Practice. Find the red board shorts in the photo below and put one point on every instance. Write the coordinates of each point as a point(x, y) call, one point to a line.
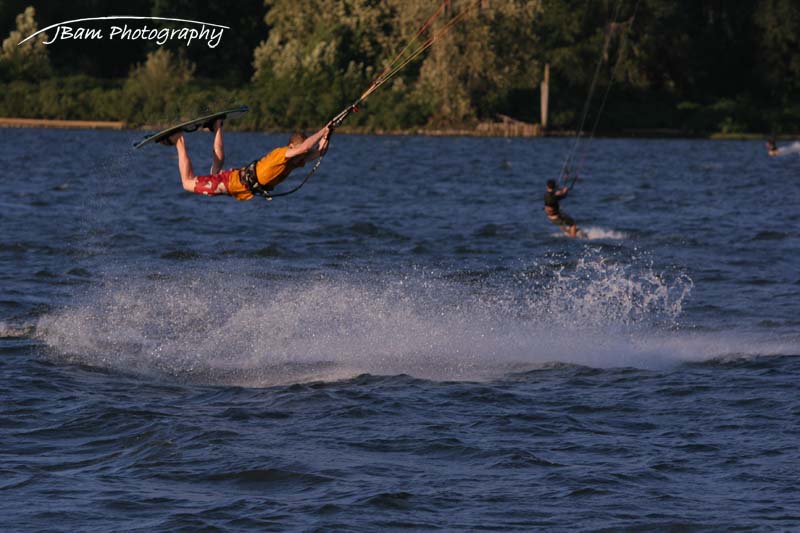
point(213, 183)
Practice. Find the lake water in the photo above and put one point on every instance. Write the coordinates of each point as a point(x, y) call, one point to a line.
point(406, 342)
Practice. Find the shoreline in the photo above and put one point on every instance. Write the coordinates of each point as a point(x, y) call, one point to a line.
point(481, 130)
point(12, 122)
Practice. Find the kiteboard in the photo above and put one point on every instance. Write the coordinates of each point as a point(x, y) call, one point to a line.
point(191, 125)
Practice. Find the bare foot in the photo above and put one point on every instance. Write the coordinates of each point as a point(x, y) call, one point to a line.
point(214, 126)
point(172, 140)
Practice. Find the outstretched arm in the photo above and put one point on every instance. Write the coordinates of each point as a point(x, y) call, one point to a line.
point(309, 145)
point(319, 151)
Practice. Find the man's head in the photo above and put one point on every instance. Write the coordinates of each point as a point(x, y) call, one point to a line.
point(551, 184)
point(296, 140)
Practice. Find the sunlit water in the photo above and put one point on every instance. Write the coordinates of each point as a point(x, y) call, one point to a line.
point(407, 342)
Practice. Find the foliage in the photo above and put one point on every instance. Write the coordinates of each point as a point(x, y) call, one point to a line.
point(153, 88)
point(777, 22)
point(231, 61)
point(29, 60)
point(73, 97)
point(692, 66)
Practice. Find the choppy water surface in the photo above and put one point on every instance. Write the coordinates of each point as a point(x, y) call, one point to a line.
point(405, 343)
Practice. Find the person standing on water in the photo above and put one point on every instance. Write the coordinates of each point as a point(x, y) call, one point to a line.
point(772, 147)
point(552, 197)
point(259, 177)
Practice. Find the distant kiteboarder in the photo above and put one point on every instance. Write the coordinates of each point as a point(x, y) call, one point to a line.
point(552, 197)
point(772, 147)
point(773, 150)
point(257, 178)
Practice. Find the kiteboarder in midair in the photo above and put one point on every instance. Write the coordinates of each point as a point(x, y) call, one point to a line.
point(259, 177)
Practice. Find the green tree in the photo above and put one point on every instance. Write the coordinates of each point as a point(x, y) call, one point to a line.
point(778, 22)
point(471, 71)
point(231, 60)
point(317, 56)
point(28, 60)
point(153, 88)
point(333, 48)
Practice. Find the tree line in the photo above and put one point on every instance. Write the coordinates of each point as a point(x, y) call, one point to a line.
point(691, 66)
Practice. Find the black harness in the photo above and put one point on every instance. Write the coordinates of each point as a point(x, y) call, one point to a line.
point(249, 178)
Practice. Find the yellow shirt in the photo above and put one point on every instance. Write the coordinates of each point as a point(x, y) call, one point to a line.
point(271, 169)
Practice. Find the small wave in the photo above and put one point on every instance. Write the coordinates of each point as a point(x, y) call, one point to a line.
point(749, 353)
point(594, 233)
point(793, 148)
point(390, 500)
point(488, 230)
point(11, 331)
point(197, 327)
point(359, 229)
point(271, 250)
point(521, 458)
point(769, 235)
point(268, 477)
point(181, 255)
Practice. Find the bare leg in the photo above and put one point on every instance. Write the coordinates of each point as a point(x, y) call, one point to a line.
point(573, 231)
point(218, 157)
point(188, 179)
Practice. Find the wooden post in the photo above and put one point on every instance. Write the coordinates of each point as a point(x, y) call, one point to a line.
point(545, 90)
